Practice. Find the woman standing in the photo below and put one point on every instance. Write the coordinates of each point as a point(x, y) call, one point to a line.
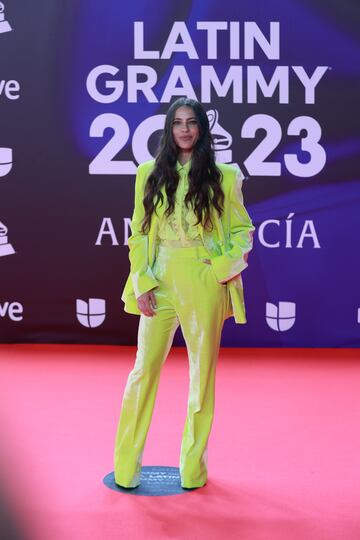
point(190, 239)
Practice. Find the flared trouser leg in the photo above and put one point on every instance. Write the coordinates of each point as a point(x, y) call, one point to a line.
point(188, 294)
point(155, 336)
point(202, 334)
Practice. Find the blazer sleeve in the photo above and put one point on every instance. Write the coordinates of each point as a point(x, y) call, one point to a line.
point(142, 277)
point(240, 242)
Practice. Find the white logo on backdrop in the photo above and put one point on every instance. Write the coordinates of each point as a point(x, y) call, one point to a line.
point(5, 247)
point(11, 89)
point(107, 230)
point(105, 163)
point(6, 161)
point(91, 313)
point(134, 83)
point(4, 25)
point(222, 139)
point(282, 317)
point(14, 310)
point(358, 315)
point(285, 237)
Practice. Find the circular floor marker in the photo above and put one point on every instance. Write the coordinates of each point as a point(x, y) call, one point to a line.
point(154, 481)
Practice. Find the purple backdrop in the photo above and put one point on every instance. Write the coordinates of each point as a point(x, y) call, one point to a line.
point(83, 93)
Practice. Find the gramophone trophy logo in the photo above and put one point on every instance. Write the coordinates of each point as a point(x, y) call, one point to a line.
point(222, 141)
point(222, 138)
point(4, 25)
point(5, 247)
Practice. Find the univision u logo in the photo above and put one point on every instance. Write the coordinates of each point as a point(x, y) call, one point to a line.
point(282, 317)
point(91, 313)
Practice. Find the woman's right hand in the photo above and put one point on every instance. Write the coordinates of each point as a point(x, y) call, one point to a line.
point(146, 303)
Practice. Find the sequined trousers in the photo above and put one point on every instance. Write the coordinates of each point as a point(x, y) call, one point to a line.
point(190, 295)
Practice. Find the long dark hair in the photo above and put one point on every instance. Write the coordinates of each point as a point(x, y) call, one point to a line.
point(204, 176)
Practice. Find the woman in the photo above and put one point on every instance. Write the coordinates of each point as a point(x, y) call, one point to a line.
point(190, 239)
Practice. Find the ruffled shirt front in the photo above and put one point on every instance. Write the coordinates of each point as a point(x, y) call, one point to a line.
point(179, 229)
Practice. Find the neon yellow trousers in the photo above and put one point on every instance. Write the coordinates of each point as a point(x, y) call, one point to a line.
point(190, 295)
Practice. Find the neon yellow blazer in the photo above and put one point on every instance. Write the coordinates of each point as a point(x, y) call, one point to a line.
point(228, 244)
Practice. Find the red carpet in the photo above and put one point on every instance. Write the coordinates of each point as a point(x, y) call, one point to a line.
point(283, 452)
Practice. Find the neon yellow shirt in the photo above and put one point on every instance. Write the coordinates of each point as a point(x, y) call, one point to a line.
point(179, 229)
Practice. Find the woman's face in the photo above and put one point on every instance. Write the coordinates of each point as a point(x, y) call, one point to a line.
point(185, 128)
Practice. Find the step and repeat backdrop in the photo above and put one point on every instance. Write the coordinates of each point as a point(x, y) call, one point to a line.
point(84, 88)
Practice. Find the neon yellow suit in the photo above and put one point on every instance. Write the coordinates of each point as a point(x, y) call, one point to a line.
point(189, 292)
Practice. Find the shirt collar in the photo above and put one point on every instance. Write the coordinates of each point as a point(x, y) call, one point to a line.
point(185, 167)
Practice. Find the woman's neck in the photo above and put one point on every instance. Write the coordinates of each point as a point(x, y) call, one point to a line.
point(184, 157)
